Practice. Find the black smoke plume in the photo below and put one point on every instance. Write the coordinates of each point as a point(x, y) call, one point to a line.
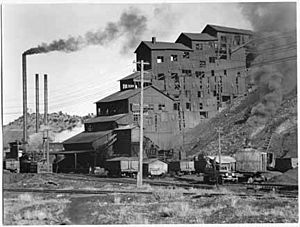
point(274, 68)
point(130, 25)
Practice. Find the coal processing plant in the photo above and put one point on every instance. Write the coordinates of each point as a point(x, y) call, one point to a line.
point(180, 85)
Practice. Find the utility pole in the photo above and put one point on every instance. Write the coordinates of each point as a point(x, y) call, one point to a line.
point(140, 172)
point(219, 130)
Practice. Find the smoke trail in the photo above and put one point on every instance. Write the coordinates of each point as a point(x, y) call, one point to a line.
point(130, 25)
point(272, 16)
point(276, 74)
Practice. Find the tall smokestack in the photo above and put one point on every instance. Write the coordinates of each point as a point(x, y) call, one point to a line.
point(45, 100)
point(46, 120)
point(24, 101)
point(37, 118)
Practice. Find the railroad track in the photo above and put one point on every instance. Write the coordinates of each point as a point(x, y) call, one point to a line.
point(102, 191)
point(133, 181)
point(239, 187)
point(281, 188)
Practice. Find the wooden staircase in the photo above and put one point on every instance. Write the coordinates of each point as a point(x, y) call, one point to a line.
point(266, 147)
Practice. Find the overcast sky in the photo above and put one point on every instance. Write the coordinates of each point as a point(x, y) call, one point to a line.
point(78, 79)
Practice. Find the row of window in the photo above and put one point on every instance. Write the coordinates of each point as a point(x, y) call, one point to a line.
point(186, 72)
point(199, 46)
point(173, 57)
point(147, 108)
point(187, 106)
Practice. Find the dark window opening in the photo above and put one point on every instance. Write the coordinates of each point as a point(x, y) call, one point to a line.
point(186, 55)
point(161, 76)
point(187, 72)
point(199, 46)
point(188, 106)
point(204, 114)
point(225, 72)
point(215, 93)
point(174, 76)
point(225, 98)
point(200, 105)
point(237, 40)
point(202, 64)
point(151, 107)
point(176, 106)
point(174, 57)
point(161, 106)
point(200, 94)
point(135, 117)
point(160, 59)
point(200, 74)
point(212, 60)
point(223, 39)
point(212, 72)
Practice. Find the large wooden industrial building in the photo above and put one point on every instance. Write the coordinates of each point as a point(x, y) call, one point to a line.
point(186, 82)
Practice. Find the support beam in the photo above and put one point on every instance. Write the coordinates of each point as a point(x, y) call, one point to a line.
point(75, 161)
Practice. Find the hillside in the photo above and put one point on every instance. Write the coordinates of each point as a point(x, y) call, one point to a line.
point(236, 130)
point(58, 123)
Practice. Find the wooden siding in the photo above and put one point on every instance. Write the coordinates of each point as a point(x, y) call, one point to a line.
point(123, 144)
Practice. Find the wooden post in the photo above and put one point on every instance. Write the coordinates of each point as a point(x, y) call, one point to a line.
point(140, 173)
point(75, 161)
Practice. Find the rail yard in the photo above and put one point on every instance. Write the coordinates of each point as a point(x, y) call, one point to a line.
point(202, 131)
point(114, 200)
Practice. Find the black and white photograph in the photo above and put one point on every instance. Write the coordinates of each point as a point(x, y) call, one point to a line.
point(152, 113)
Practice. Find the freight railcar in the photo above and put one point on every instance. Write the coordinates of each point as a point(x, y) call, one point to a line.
point(122, 166)
point(250, 162)
point(182, 167)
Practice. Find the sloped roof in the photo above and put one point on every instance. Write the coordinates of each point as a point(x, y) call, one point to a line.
point(164, 46)
point(199, 36)
point(150, 160)
point(105, 118)
point(224, 159)
point(123, 159)
point(86, 137)
point(229, 29)
point(121, 95)
point(137, 75)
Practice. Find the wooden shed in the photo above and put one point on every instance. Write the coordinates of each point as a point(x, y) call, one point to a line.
point(154, 167)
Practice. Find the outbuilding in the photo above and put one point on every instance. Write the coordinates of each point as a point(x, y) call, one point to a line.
point(154, 167)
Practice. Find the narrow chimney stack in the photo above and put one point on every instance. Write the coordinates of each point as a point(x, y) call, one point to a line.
point(45, 100)
point(153, 40)
point(24, 78)
point(37, 117)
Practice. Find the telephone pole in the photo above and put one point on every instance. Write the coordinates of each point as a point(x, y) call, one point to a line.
point(219, 130)
point(140, 172)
